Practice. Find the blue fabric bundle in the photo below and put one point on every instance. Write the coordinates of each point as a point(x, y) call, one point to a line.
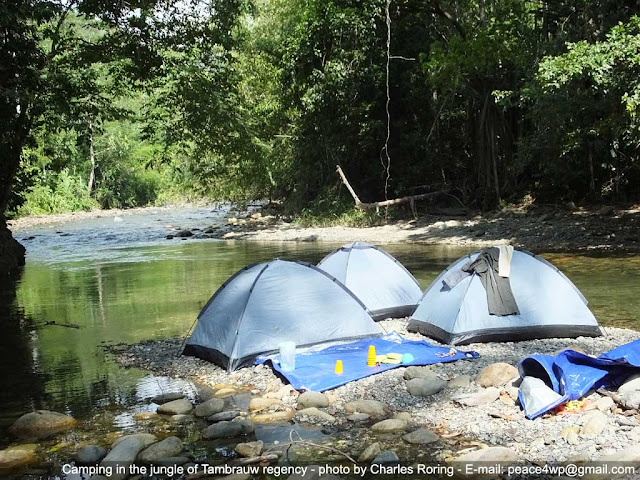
point(550, 381)
point(315, 368)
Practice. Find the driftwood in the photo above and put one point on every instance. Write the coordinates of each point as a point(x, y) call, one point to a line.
point(386, 203)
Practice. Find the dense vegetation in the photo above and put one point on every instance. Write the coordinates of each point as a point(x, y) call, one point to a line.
point(120, 104)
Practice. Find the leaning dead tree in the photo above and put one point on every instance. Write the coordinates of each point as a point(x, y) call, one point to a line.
point(411, 199)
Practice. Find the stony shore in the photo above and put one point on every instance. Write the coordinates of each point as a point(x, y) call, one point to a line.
point(547, 229)
point(463, 405)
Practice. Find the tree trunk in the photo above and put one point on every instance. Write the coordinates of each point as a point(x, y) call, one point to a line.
point(92, 157)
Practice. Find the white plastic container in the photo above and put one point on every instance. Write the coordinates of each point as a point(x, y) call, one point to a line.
point(287, 356)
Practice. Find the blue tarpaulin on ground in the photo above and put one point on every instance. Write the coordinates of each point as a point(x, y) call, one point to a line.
point(315, 367)
point(572, 374)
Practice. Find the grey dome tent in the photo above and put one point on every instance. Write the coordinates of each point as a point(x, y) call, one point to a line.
point(380, 281)
point(549, 306)
point(266, 304)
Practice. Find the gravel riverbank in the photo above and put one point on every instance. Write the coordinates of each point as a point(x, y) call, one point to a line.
point(471, 409)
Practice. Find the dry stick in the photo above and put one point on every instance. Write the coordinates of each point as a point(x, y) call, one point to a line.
point(311, 444)
point(387, 203)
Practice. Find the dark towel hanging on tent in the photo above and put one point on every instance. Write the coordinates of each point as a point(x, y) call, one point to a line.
point(499, 295)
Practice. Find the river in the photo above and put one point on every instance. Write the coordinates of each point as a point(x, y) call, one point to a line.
point(105, 281)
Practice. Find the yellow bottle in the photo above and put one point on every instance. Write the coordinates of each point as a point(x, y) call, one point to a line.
point(371, 357)
point(338, 370)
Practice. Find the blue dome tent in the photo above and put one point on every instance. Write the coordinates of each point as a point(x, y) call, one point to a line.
point(266, 304)
point(549, 306)
point(380, 281)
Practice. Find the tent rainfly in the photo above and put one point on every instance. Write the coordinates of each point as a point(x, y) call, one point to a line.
point(380, 281)
point(266, 304)
point(549, 305)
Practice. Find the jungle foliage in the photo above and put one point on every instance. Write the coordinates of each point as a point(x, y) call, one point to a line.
point(132, 103)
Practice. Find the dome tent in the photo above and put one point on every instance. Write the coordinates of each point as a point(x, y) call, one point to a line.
point(380, 281)
point(549, 304)
point(266, 304)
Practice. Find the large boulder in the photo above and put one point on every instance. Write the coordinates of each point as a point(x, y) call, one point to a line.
point(169, 447)
point(41, 424)
point(496, 375)
point(372, 408)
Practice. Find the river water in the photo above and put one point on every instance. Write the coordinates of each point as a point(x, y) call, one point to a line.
point(106, 281)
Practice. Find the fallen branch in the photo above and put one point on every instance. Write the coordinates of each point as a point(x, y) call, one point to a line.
point(387, 203)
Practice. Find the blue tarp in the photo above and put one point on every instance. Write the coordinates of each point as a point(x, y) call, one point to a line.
point(315, 368)
point(572, 374)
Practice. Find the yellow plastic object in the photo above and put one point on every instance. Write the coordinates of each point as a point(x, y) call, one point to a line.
point(338, 370)
point(371, 357)
point(394, 358)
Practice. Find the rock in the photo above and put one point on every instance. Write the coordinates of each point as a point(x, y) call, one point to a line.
point(604, 404)
point(386, 457)
point(247, 426)
point(260, 403)
point(606, 210)
point(41, 424)
point(184, 233)
point(176, 407)
point(630, 385)
point(631, 399)
point(210, 407)
point(483, 397)
point(250, 449)
point(146, 439)
point(490, 454)
point(142, 416)
point(418, 372)
point(225, 392)
point(223, 429)
point(167, 397)
point(169, 447)
point(90, 454)
point(406, 416)
point(626, 421)
point(389, 425)
point(425, 387)
point(316, 413)
point(123, 455)
point(15, 458)
point(369, 453)
point(461, 381)
point(181, 419)
point(422, 436)
point(312, 399)
point(274, 417)
point(358, 417)
point(372, 408)
point(496, 375)
point(224, 416)
point(168, 461)
point(595, 423)
point(569, 431)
